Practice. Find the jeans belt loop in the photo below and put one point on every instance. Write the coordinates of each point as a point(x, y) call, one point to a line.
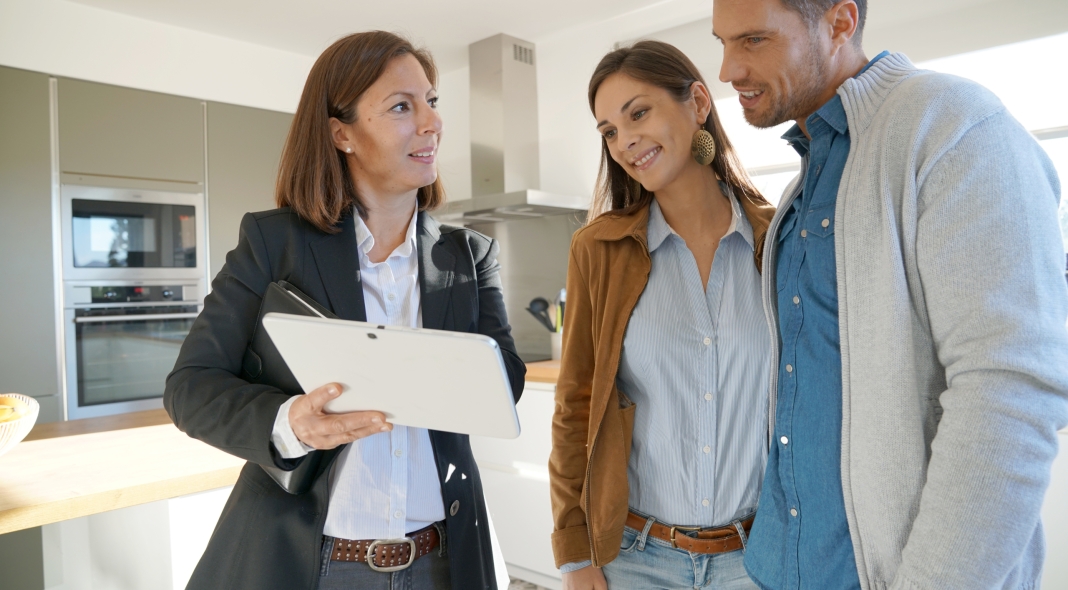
point(440, 526)
point(645, 533)
point(741, 533)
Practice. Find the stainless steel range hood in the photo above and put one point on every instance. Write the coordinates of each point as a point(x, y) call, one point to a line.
point(504, 139)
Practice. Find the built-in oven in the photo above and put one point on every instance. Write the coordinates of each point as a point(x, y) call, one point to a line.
point(122, 340)
point(121, 234)
point(133, 282)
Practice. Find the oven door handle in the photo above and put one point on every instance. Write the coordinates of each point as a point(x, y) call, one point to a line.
point(97, 319)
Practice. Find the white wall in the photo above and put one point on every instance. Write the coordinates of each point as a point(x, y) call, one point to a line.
point(67, 39)
point(454, 154)
point(570, 145)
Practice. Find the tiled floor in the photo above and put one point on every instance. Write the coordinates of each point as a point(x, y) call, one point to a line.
point(521, 585)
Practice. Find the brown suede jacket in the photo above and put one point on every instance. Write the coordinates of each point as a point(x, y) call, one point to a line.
point(607, 272)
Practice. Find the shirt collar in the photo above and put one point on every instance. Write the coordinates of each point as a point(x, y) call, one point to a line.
point(832, 113)
point(365, 240)
point(659, 230)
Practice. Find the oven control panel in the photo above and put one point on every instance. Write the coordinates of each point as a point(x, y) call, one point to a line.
point(80, 295)
point(135, 294)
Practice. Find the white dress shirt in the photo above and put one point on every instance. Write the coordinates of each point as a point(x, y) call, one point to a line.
point(385, 485)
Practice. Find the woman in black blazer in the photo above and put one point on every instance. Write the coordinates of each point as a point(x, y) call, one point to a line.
point(356, 179)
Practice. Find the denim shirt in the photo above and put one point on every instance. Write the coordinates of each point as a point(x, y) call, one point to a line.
point(801, 535)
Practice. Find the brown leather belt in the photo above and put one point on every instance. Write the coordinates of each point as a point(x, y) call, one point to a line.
point(388, 555)
point(719, 540)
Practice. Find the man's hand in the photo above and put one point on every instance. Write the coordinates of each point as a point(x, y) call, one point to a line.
point(587, 578)
point(325, 431)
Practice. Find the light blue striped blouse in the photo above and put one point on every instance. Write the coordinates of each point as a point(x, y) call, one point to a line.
point(695, 362)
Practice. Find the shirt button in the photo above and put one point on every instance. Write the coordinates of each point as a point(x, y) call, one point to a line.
point(398, 453)
point(704, 502)
point(825, 222)
point(784, 440)
point(708, 341)
point(708, 397)
point(398, 514)
point(804, 233)
point(793, 512)
point(789, 368)
point(707, 449)
point(390, 296)
point(797, 300)
point(454, 508)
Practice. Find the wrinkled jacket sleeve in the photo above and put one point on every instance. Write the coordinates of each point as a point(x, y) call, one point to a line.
point(493, 317)
point(205, 396)
point(571, 419)
point(992, 268)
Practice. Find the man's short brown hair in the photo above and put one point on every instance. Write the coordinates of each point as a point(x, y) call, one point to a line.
point(813, 10)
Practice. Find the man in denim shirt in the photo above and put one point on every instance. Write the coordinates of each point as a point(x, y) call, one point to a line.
point(911, 282)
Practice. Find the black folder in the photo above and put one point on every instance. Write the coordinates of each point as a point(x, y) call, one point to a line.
point(263, 364)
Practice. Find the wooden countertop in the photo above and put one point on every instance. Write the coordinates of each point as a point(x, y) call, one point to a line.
point(65, 470)
point(52, 479)
point(543, 371)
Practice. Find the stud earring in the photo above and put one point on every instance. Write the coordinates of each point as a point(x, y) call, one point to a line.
point(703, 147)
point(348, 150)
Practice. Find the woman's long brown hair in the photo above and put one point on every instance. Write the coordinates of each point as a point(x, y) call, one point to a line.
point(664, 66)
point(313, 175)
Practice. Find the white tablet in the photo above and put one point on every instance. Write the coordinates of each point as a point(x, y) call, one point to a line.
point(434, 379)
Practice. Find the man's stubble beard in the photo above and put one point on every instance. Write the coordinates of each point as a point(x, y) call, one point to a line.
point(803, 100)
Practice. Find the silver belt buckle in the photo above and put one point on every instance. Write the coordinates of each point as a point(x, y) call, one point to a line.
point(390, 568)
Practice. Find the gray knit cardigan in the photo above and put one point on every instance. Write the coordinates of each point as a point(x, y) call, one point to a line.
point(952, 310)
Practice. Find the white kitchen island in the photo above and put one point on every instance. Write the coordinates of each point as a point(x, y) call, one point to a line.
point(133, 508)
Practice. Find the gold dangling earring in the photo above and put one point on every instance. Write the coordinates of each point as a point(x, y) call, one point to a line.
point(703, 147)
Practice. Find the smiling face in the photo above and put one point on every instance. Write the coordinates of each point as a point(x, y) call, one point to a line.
point(772, 58)
point(395, 135)
point(647, 131)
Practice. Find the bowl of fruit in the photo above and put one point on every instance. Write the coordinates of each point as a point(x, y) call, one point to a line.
point(18, 413)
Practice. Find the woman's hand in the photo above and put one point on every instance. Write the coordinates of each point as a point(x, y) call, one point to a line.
point(587, 578)
point(323, 431)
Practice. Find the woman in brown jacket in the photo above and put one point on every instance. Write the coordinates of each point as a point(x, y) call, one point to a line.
point(660, 429)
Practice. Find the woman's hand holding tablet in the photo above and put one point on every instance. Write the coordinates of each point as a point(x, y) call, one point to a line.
point(323, 431)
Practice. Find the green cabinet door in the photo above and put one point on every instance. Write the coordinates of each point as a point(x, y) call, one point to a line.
point(132, 134)
point(244, 146)
point(29, 362)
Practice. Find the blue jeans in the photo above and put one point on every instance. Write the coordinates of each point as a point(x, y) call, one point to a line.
point(646, 562)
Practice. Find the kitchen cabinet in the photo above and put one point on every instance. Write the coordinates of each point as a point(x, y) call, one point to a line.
point(1055, 520)
point(515, 481)
point(27, 313)
point(244, 147)
point(110, 131)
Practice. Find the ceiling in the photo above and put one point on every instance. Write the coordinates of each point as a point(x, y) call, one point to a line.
point(924, 29)
point(446, 27)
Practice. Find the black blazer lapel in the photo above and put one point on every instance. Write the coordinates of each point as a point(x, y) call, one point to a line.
point(339, 270)
point(436, 265)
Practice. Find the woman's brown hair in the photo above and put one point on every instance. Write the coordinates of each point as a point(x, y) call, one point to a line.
point(664, 66)
point(313, 175)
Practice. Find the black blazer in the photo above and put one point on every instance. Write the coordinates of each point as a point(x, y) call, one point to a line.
point(267, 538)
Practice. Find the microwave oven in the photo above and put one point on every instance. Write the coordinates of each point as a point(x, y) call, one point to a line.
point(118, 234)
